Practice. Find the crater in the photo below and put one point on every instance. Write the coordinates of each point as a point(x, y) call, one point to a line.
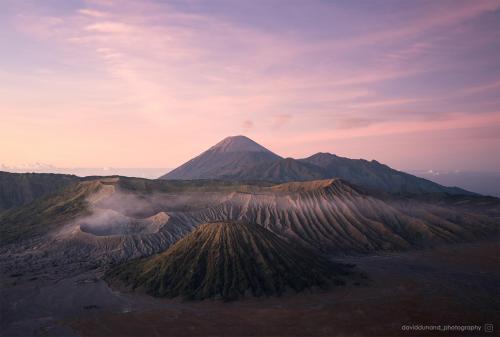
point(106, 222)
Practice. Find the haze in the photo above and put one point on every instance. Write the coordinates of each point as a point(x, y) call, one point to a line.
point(152, 83)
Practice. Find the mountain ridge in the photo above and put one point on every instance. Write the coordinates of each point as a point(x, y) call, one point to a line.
point(374, 175)
point(18, 189)
point(116, 219)
point(241, 159)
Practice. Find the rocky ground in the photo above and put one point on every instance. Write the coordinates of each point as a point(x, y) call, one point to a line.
point(451, 285)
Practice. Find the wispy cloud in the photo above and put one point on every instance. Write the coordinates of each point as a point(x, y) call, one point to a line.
point(176, 67)
point(109, 27)
point(92, 13)
point(452, 121)
point(247, 125)
point(280, 120)
point(479, 88)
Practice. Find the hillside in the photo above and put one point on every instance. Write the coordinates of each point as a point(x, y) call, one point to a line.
point(229, 260)
point(17, 189)
point(282, 170)
point(334, 216)
point(47, 213)
point(376, 176)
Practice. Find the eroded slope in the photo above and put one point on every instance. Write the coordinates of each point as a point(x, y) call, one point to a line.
point(108, 221)
point(229, 260)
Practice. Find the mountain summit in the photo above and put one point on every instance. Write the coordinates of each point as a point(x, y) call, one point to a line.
point(238, 144)
point(224, 159)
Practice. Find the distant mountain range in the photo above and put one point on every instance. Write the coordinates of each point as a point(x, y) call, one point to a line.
point(485, 183)
point(140, 172)
point(240, 158)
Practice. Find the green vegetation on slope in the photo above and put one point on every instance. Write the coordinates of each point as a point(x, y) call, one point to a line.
point(45, 214)
point(228, 260)
point(199, 185)
point(17, 189)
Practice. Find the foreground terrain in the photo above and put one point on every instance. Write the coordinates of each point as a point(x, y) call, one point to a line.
point(322, 257)
point(456, 284)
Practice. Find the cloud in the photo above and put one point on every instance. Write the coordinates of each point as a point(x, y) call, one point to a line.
point(92, 12)
point(354, 122)
point(247, 125)
point(387, 127)
point(429, 16)
point(385, 103)
point(109, 27)
point(479, 88)
point(280, 120)
point(172, 68)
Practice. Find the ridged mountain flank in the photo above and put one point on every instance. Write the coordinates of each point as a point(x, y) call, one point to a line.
point(229, 260)
point(376, 176)
point(224, 159)
point(282, 170)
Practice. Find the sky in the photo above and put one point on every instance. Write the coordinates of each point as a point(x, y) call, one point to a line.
point(105, 83)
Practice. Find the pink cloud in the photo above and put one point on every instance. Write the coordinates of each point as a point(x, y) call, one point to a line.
point(281, 119)
point(109, 27)
point(92, 12)
point(437, 15)
point(454, 121)
point(479, 88)
point(147, 63)
point(247, 125)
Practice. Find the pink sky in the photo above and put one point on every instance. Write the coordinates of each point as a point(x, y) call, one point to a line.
point(151, 83)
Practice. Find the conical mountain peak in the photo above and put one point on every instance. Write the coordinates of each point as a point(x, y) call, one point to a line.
point(225, 158)
point(228, 260)
point(238, 144)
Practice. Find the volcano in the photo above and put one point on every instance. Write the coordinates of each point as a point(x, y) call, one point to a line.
point(241, 159)
point(229, 260)
point(225, 158)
